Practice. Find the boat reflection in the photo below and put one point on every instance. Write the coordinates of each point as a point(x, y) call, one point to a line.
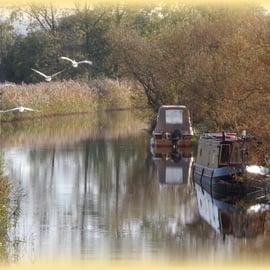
point(173, 165)
point(243, 216)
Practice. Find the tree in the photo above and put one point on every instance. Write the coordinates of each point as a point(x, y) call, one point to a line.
point(42, 17)
point(36, 50)
point(207, 56)
point(83, 35)
point(156, 59)
point(7, 37)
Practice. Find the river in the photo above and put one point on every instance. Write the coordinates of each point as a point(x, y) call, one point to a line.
point(90, 189)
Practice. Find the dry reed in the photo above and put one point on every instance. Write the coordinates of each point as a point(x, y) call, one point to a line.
point(65, 97)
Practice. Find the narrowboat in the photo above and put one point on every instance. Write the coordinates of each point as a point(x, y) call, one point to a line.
point(222, 161)
point(173, 127)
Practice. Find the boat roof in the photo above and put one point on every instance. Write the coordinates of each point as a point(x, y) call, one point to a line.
point(220, 136)
point(171, 117)
point(172, 107)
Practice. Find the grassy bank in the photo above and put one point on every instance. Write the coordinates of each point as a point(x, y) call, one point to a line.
point(4, 191)
point(5, 215)
point(67, 97)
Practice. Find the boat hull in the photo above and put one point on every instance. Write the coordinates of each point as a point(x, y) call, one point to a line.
point(160, 141)
point(218, 181)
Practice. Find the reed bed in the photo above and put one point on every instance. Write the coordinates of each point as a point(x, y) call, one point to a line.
point(67, 97)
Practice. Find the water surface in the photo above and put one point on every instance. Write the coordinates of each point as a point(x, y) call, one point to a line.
point(92, 190)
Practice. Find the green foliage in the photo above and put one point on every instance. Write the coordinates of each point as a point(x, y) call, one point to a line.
point(6, 37)
point(36, 50)
point(5, 220)
point(80, 33)
point(83, 36)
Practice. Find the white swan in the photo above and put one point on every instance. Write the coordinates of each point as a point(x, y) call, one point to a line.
point(75, 63)
point(47, 78)
point(20, 109)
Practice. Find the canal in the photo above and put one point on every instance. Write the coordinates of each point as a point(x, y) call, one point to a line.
point(90, 189)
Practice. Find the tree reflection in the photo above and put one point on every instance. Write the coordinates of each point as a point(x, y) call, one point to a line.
point(100, 198)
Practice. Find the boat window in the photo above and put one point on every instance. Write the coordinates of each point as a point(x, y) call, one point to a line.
point(174, 116)
point(224, 157)
point(213, 157)
point(236, 154)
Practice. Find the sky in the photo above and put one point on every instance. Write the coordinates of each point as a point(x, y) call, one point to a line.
point(71, 2)
point(22, 27)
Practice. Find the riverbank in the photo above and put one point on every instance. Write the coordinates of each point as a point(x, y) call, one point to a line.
point(69, 97)
point(6, 215)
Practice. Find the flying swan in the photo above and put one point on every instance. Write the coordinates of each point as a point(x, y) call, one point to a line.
point(46, 77)
point(75, 63)
point(20, 109)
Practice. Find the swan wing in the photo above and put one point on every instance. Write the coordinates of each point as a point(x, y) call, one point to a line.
point(66, 58)
point(85, 62)
point(55, 74)
point(10, 110)
point(28, 109)
point(40, 73)
point(5, 111)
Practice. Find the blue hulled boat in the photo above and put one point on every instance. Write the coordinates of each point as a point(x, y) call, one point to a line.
point(221, 161)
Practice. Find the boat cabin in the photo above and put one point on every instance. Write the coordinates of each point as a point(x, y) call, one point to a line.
point(222, 161)
point(173, 126)
point(220, 149)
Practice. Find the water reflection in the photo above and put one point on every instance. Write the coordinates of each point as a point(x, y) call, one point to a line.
point(244, 215)
point(95, 198)
point(99, 194)
point(173, 166)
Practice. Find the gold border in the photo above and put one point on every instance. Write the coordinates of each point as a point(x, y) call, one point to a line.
point(71, 3)
point(131, 265)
